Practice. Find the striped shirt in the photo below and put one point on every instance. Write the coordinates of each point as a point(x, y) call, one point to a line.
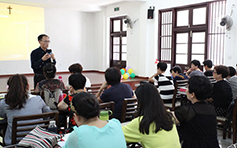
point(165, 86)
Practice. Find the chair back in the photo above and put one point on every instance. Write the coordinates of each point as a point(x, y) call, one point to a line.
point(230, 120)
point(51, 98)
point(129, 109)
point(178, 84)
point(93, 90)
point(22, 125)
point(107, 106)
point(234, 120)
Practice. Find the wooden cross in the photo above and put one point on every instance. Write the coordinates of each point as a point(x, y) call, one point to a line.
point(9, 9)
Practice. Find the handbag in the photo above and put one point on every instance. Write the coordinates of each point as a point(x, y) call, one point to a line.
point(40, 138)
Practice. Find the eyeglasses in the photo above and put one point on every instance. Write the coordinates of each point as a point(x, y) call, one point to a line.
point(46, 41)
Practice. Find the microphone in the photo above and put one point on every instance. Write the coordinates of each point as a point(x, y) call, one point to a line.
point(50, 52)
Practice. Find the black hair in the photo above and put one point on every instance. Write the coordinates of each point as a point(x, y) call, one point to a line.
point(86, 105)
point(176, 68)
point(207, 63)
point(151, 109)
point(200, 86)
point(77, 81)
point(112, 75)
point(162, 66)
point(223, 70)
point(75, 68)
point(196, 63)
point(17, 91)
point(232, 71)
point(49, 71)
point(41, 36)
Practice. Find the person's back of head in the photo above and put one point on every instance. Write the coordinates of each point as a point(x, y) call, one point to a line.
point(196, 63)
point(232, 71)
point(112, 75)
point(176, 68)
point(75, 68)
point(17, 91)
point(49, 71)
point(207, 63)
point(223, 70)
point(85, 105)
point(162, 66)
point(77, 81)
point(200, 86)
point(151, 107)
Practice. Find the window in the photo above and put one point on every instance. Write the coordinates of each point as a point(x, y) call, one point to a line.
point(191, 32)
point(118, 42)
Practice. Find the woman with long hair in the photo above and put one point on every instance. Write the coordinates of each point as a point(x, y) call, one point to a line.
point(154, 126)
point(18, 102)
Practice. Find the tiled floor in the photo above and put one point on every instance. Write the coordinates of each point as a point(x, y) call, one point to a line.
point(223, 143)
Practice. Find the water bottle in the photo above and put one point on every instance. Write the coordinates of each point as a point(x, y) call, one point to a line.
point(52, 127)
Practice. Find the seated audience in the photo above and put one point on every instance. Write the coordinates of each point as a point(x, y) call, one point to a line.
point(208, 68)
point(198, 119)
point(91, 132)
point(163, 83)
point(194, 70)
point(117, 92)
point(77, 68)
point(18, 102)
point(232, 79)
point(222, 93)
point(154, 127)
point(177, 73)
point(50, 83)
point(76, 86)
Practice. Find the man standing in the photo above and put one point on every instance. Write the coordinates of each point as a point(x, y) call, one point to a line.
point(40, 57)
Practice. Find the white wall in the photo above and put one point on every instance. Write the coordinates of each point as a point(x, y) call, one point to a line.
point(143, 38)
point(72, 37)
point(231, 36)
point(84, 37)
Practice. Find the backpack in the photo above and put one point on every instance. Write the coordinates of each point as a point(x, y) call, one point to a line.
point(52, 98)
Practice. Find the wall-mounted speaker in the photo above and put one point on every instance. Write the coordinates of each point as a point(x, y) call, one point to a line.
point(150, 12)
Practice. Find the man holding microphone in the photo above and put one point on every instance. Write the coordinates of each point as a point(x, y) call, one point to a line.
point(40, 57)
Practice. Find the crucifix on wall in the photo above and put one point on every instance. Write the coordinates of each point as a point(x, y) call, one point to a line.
point(9, 9)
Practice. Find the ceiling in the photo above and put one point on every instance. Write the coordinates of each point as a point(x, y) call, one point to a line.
point(79, 5)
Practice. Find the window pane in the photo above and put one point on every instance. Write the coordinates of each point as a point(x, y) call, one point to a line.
point(182, 48)
point(115, 56)
point(116, 40)
point(182, 38)
point(198, 37)
point(124, 40)
point(116, 25)
point(166, 30)
point(124, 48)
point(199, 16)
point(198, 48)
point(181, 59)
point(116, 48)
point(198, 57)
point(166, 42)
point(166, 54)
point(182, 18)
point(124, 56)
point(124, 26)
